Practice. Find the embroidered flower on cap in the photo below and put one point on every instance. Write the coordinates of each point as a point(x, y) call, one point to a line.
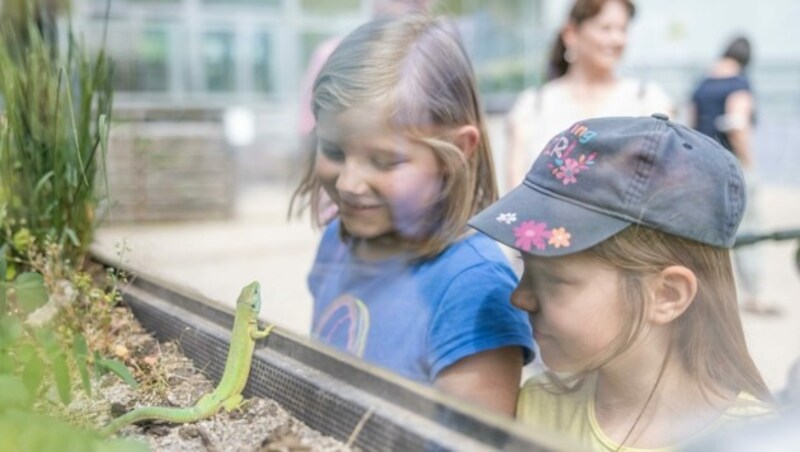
point(531, 233)
point(507, 218)
point(559, 237)
point(564, 167)
point(568, 168)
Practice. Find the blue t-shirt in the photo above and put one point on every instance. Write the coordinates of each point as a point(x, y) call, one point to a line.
point(709, 102)
point(416, 317)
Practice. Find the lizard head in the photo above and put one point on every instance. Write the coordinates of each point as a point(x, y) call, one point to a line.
point(251, 296)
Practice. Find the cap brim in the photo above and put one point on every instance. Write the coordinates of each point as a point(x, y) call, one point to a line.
point(544, 225)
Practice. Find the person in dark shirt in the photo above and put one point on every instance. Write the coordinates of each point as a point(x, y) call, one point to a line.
point(723, 101)
point(724, 109)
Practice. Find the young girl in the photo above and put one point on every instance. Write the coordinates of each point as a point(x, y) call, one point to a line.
point(624, 226)
point(402, 151)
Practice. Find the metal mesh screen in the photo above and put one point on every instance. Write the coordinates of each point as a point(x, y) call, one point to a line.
point(318, 407)
point(329, 392)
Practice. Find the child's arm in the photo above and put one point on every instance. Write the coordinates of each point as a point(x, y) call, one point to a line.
point(490, 378)
point(738, 114)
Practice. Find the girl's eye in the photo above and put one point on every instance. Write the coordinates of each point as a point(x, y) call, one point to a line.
point(550, 280)
point(553, 279)
point(387, 164)
point(333, 154)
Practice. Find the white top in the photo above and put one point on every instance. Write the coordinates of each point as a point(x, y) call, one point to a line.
point(540, 114)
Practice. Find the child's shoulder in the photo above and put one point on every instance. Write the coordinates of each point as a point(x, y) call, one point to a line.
point(746, 410)
point(748, 407)
point(475, 262)
point(544, 402)
point(476, 248)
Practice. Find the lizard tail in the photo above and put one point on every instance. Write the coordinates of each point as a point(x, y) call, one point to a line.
point(177, 415)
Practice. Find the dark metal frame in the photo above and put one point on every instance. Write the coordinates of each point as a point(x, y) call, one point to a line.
point(786, 234)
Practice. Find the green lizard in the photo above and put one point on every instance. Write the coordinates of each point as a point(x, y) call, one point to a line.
point(228, 393)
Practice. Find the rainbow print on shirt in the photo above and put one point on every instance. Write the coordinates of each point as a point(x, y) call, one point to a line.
point(345, 323)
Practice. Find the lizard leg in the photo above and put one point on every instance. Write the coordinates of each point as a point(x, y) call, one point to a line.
point(256, 334)
point(232, 402)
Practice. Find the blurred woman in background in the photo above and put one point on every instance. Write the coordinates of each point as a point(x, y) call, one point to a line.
point(581, 83)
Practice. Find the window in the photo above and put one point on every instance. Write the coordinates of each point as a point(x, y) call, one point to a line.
point(141, 58)
point(152, 65)
point(263, 80)
point(218, 61)
point(503, 39)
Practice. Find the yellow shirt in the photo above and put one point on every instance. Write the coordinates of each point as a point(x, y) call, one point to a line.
point(572, 414)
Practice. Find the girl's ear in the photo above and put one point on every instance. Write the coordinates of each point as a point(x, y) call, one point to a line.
point(467, 138)
point(674, 290)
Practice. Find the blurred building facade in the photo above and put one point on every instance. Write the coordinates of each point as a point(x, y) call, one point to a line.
point(218, 52)
point(210, 55)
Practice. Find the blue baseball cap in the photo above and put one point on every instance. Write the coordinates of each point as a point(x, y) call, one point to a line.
point(602, 175)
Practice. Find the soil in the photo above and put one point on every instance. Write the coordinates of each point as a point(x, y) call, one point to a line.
point(168, 378)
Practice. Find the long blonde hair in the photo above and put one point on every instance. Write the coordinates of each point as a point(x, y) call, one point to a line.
point(708, 337)
point(416, 65)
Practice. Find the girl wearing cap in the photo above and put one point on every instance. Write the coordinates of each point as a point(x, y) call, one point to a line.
point(398, 278)
point(581, 82)
point(624, 227)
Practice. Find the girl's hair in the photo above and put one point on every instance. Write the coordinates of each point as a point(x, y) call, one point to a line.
point(582, 10)
point(739, 51)
point(708, 337)
point(417, 67)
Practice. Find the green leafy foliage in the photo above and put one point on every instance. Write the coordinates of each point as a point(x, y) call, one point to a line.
point(33, 370)
point(13, 394)
point(31, 358)
point(36, 352)
point(55, 114)
point(52, 140)
point(30, 291)
point(31, 432)
point(81, 352)
point(112, 365)
point(3, 264)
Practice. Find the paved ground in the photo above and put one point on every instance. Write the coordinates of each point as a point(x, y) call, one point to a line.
point(216, 259)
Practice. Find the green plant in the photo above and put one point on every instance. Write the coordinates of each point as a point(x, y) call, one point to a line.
point(42, 319)
point(32, 432)
point(53, 135)
point(38, 353)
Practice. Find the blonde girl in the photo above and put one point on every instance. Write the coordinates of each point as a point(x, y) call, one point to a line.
point(402, 152)
point(624, 226)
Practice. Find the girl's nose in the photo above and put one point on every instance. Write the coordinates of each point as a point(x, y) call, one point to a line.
point(523, 298)
point(351, 179)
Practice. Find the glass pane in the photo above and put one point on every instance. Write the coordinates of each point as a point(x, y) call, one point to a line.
point(218, 61)
point(501, 40)
point(262, 64)
point(141, 59)
point(152, 65)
